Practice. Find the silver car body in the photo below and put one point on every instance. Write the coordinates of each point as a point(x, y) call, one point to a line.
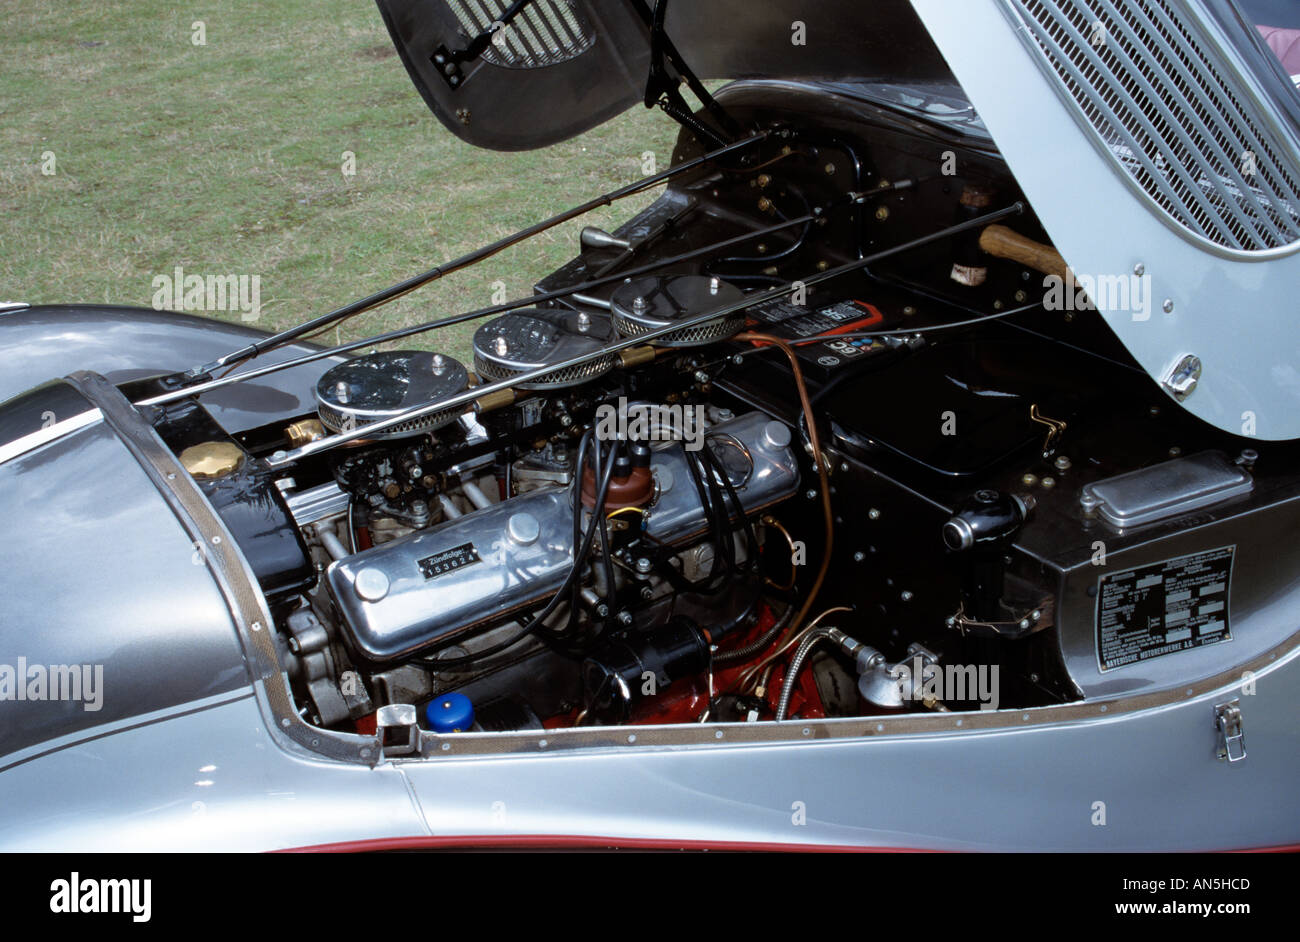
point(197, 746)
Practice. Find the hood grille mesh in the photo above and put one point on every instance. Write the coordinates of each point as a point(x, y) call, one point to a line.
point(1148, 81)
point(545, 33)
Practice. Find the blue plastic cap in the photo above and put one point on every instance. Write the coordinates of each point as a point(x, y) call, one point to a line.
point(450, 713)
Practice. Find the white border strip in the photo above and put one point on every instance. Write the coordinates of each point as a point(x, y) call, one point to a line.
point(34, 440)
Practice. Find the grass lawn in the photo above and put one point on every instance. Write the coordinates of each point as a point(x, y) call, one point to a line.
point(226, 159)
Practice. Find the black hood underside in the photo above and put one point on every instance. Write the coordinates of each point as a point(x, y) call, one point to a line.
point(558, 68)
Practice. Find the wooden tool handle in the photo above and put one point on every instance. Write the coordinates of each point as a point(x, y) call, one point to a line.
point(1001, 242)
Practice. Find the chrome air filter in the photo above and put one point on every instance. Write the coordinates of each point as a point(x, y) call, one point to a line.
point(521, 341)
point(646, 304)
point(379, 386)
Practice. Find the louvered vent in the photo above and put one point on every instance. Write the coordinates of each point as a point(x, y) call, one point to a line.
point(546, 32)
point(1148, 81)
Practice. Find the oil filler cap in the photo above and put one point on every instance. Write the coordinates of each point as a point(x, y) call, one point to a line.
point(523, 529)
point(371, 585)
point(210, 460)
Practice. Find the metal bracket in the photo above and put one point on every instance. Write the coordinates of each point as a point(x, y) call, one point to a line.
point(1055, 429)
point(449, 63)
point(397, 729)
point(1232, 735)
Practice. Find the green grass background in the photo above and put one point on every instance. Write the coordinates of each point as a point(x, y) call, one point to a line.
point(226, 159)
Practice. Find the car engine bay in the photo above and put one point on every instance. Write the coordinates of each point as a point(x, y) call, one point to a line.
point(809, 505)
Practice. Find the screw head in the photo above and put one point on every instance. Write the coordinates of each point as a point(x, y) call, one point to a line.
point(873, 514)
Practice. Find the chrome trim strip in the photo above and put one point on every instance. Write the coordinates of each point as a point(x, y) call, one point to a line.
point(126, 724)
point(33, 440)
point(232, 573)
point(452, 745)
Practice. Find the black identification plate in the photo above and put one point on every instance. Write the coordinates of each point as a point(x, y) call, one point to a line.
point(457, 557)
point(824, 358)
point(1163, 608)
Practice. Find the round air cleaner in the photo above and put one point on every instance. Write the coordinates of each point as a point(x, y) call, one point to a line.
point(521, 341)
point(379, 386)
point(645, 304)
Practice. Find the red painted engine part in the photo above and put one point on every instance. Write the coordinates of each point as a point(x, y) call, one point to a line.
point(685, 701)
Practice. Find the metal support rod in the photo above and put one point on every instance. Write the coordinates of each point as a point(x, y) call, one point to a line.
point(572, 291)
point(464, 261)
point(469, 396)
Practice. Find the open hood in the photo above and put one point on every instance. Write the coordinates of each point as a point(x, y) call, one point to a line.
point(561, 67)
point(1158, 142)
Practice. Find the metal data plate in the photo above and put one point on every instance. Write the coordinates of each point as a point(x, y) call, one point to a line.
point(1166, 490)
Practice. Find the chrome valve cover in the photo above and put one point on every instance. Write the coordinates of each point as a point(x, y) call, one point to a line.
point(440, 583)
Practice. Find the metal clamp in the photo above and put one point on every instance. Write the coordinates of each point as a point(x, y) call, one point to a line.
point(1232, 735)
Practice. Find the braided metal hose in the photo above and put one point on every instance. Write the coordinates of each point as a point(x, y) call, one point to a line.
point(810, 641)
